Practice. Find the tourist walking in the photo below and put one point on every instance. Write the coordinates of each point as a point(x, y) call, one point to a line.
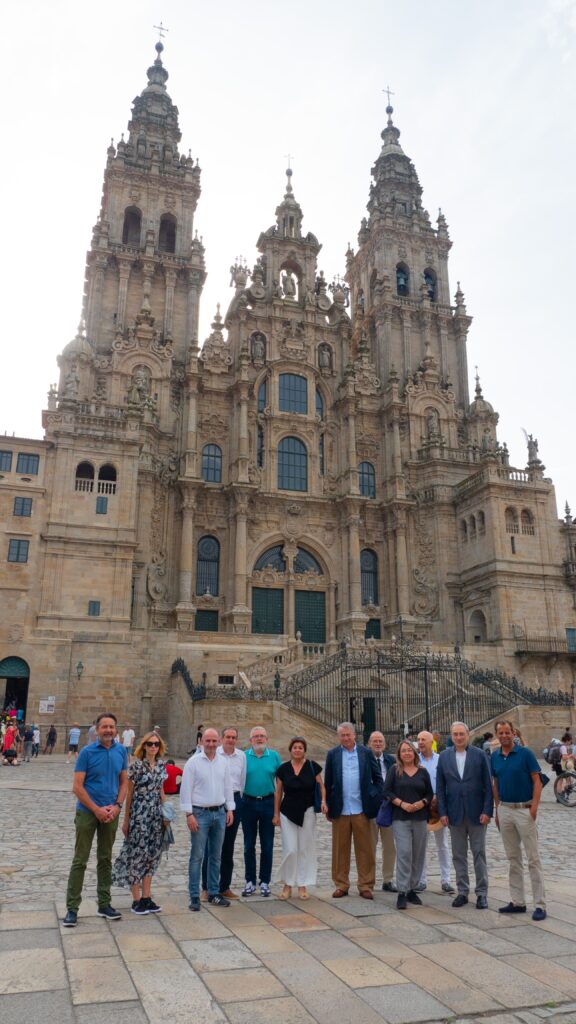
point(28, 742)
point(465, 803)
point(409, 789)
point(237, 765)
point(207, 799)
point(294, 811)
point(143, 824)
point(429, 761)
point(258, 810)
point(51, 737)
point(377, 744)
point(128, 737)
point(36, 741)
point(354, 789)
point(73, 742)
point(100, 783)
point(517, 792)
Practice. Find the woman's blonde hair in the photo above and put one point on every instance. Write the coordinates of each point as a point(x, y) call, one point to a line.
point(140, 749)
point(399, 765)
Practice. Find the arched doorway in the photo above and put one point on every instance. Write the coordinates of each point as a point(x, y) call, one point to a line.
point(14, 680)
point(289, 594)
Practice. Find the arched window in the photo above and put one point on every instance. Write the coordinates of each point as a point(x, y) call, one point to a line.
point(207, 566)
point(319, 404)
point(527, 521)
point(212, 464)
point(305, 562)
point(132, 230)
point(292, 465)
point(84, 477)
point(262, 396)
point(321, 454)
point(167, 233)
point(463, 530)
point(293, 393)
point(481, 523)
point(511, 518)
point(402, 279)
point(107, 479)
point(260, 448)
point(431, 283)
point(369, 576)
point(273, 558)
point(472, 528)
point(367, 480)
point(478, 627)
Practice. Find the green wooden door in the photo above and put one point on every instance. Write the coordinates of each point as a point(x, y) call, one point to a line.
point(310, 616)
point(267, 610)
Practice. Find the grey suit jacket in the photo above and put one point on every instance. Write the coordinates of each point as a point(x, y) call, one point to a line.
point(468, 797)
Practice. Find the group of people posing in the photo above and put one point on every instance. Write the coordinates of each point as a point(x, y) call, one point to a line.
point(367, 794)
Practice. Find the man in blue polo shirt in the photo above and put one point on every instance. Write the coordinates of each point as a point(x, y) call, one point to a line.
point(100, 783)
point(517, 790)
point(258, 810)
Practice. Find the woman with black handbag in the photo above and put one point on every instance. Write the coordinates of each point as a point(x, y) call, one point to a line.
point(294, 811)
point(409, 790)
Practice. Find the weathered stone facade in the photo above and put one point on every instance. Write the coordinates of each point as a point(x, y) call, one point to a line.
point(315, 468)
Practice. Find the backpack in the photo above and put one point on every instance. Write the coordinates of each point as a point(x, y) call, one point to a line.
point(555, 754)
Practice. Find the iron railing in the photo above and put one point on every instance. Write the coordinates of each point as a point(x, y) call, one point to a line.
point(197, 692)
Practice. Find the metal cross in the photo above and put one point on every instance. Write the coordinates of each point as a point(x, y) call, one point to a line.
point(161, 30)
point(389, 93)
point(288, 157)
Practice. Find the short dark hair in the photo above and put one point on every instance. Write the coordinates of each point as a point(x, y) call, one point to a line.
point(169, 760)
point(106, 714)
point(505, 721)
point(230, 728)
point(298, 739)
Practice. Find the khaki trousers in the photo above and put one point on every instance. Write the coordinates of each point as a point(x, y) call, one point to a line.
point(346, 828)
point(518, 829)
point(386, 836)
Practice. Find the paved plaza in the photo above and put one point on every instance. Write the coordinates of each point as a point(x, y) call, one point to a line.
point(262, 960)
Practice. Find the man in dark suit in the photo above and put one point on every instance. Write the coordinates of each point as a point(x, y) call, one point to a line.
point(354, 789)
point(377, 744)
point(466, 803)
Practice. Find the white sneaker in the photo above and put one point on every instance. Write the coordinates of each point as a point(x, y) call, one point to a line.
point(265, 889)
point(249, 889)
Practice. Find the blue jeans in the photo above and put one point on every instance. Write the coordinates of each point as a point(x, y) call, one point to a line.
point(257, 818)
point(208, 839)
point(227, 859)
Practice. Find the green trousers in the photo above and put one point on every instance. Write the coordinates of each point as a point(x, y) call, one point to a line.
point(86, 825)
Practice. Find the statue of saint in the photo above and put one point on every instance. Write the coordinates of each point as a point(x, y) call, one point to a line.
point(258, 346)
point(325, 357)
point(288, 286)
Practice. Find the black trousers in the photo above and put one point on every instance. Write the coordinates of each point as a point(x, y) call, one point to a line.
point(227, 859)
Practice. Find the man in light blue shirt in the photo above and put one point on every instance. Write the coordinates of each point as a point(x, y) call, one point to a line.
point(429, 761)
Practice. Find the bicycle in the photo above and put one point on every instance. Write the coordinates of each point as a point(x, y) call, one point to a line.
point(565, 789)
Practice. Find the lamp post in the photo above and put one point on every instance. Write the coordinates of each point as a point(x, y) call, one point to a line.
point(79, 670)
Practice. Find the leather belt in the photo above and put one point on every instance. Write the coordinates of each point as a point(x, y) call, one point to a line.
point(265, 797)
point(504, 803)
point(217, 807)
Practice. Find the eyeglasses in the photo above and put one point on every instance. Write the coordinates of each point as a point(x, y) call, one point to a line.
point(152, 743)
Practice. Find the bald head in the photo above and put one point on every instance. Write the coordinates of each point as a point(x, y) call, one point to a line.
point(210, 740)
point(425, 741)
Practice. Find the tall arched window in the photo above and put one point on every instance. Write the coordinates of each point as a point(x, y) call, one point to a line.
point(472, 527)
point(84, 477)
point(478, 626)
point(463, 530)
point(293, 393)
point(319, 404)
point(207, 566)
point(212, 464)
point(402, 279)
point(511, 518)
point(260, 448)
point(262, 395)
point(367, 480)
point(167, 233)
point(369, 576)
point(305, 562)
point(527, 521)
point(272, 558)
point(431, 283)
point(132, 230)
point(481, 523)
point(292, 465)
point(107, 479)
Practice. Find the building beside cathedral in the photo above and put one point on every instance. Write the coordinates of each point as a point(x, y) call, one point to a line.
point(313, 471)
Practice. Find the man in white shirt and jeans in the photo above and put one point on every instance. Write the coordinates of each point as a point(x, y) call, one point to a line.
point(237, 765)
point(207, 799)
point(429, 761)
point(128, 737)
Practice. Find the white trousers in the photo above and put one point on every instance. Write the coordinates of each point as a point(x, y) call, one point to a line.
point(299, 862)
point(518, 829)
point(444, 856)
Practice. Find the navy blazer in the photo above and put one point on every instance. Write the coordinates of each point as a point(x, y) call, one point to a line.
point(371, 781)
point(468, 797)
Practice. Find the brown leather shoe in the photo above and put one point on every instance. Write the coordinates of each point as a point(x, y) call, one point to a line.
point(204, 896)
point(367, 894)
point(229, 895)
point(339, 893)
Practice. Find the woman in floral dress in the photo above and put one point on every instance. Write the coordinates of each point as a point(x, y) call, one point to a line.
point(143, 824)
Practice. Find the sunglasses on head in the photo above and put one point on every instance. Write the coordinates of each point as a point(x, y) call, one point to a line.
point(152, 743)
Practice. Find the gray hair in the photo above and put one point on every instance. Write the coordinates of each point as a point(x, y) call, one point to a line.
point(258, 728)
point(463, 724)
point(346, 725)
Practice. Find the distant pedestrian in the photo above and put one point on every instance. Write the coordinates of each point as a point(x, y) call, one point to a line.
point(128, 737)
point(28, 742)
point(377, 744)
point(73, 742)
point(51, 737)
point(258, 810)
point(36, 742)
point(409, 789)
point(296, 782)
point(173, 778)
point(92, 735)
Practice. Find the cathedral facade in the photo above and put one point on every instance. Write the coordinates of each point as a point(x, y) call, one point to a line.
point(314, 472)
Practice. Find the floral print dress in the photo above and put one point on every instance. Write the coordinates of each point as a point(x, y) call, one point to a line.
point(141, 851)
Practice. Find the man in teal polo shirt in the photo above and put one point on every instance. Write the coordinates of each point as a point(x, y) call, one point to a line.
point(100, 784)
point(517, 790)
point(258, 810)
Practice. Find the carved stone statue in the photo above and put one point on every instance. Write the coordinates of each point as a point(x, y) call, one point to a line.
point(258, 346)
point(288, 286)
point(432, 422)
point(325, 357)
point(71, 383)
point(532, 449)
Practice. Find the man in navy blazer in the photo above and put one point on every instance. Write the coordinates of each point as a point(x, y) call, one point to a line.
point(466, 803)
point(354, 789)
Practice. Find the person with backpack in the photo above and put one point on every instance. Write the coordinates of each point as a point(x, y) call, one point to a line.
point(554, 756)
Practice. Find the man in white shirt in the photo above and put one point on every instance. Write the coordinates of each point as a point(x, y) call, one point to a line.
point(237, 765)
point(429, 761)
point(128, 737)
point(207, 799)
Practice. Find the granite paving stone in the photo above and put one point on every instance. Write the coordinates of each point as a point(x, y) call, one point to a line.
point(363, 972)
point(548, 971)
point(99, 980)
point(147, 947)
point(567, 961)
point(195, 926)
point(536, 940)
point(30, 938)
point(489, 942)
point(18, 920)
point(296, 922)
point(505, 984)
point(95, 942)
point(123, 1013)
point(286, 1009)
point(253, 983)
point(218, 954)
point(29, 1007)
point(328, 945)
point(266, 939)
point(31, 970)
point(461, 997)
point(383, 946)
point(169, 989)
point(404, 1004)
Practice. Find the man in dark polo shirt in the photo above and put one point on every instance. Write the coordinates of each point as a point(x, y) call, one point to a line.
point(517, 789)
point(100, 783)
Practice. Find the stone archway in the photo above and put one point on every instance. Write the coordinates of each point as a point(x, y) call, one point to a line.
point(289, 588)
point(14, 682)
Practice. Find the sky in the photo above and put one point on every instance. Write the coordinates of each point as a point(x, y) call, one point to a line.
point(483, 96)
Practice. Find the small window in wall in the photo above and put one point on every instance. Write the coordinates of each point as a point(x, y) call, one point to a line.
point(260, 448)
point(402, 279)
point(319, 404)
point(478, 627)
point(481, 518)
point(167, 234)
point(367, 480)
point(27, 464)
point(321, 454)
point(472, 528)
point(226, 680)
point(101, 506)
point(431, 284)
point(292, 465)
point(212, 464)
point(369, 576)
point(373, 629)
point(22, 506)
point(206, 621)
point(463, 531)
point(262, 390)
point(18, 550)
point(5, 462)
point(132, 226)
point(208, 566)
point(84, 477)
point(94, 608)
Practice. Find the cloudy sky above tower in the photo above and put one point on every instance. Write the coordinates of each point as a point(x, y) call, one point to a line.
point(483, 96)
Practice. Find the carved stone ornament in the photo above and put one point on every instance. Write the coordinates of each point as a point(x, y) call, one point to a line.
point(143, 336)
point(367, 446)
point(155, 582)
point(213, 426)
point(294, 509)
point(215, 354)
point(269, 577)
point(425, 601)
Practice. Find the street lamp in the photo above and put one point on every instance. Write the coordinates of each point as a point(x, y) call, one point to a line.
point(79, 670)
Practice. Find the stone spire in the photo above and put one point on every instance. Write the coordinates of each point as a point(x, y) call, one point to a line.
point(154, 126)
point(396, 189)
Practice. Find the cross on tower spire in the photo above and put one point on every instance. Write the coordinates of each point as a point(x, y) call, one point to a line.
point(161, 31)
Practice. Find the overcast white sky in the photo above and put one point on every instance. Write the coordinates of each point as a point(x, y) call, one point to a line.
point(484, 97)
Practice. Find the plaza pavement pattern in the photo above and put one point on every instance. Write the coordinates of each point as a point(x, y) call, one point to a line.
point(262, 960)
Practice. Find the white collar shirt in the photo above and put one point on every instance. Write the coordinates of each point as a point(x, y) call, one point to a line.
point(431, 766)
point(461, 762)
point(237, 765)
point(206, 783)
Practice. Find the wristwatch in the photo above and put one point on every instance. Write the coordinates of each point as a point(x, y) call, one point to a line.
point(118, 804)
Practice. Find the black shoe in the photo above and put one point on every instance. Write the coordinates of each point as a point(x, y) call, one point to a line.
point(402, 901)
point(109, 913)
point(414, 898)
point(139, 907)
point(152, 907)
point(71, 919)
point(134, 904)
point(194, 903)
point(513, 908)
point(539, 914)
point(460, 900)
point(481, 903)
point(389, 887)
point(218, 901)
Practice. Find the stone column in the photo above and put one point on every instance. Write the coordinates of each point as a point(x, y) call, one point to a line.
point(124, 277)
point(290, 610)
point(169, 302)
point(101, 263)
point(402, 581)
point(192, 311)
point(240, 611)
point(243, 441)
point(186, 568)
point(191, 468)
point(331, 615)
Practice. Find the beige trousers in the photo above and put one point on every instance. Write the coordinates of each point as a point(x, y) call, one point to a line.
point(518, 829)
point(386, 836)
point(345, 829)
